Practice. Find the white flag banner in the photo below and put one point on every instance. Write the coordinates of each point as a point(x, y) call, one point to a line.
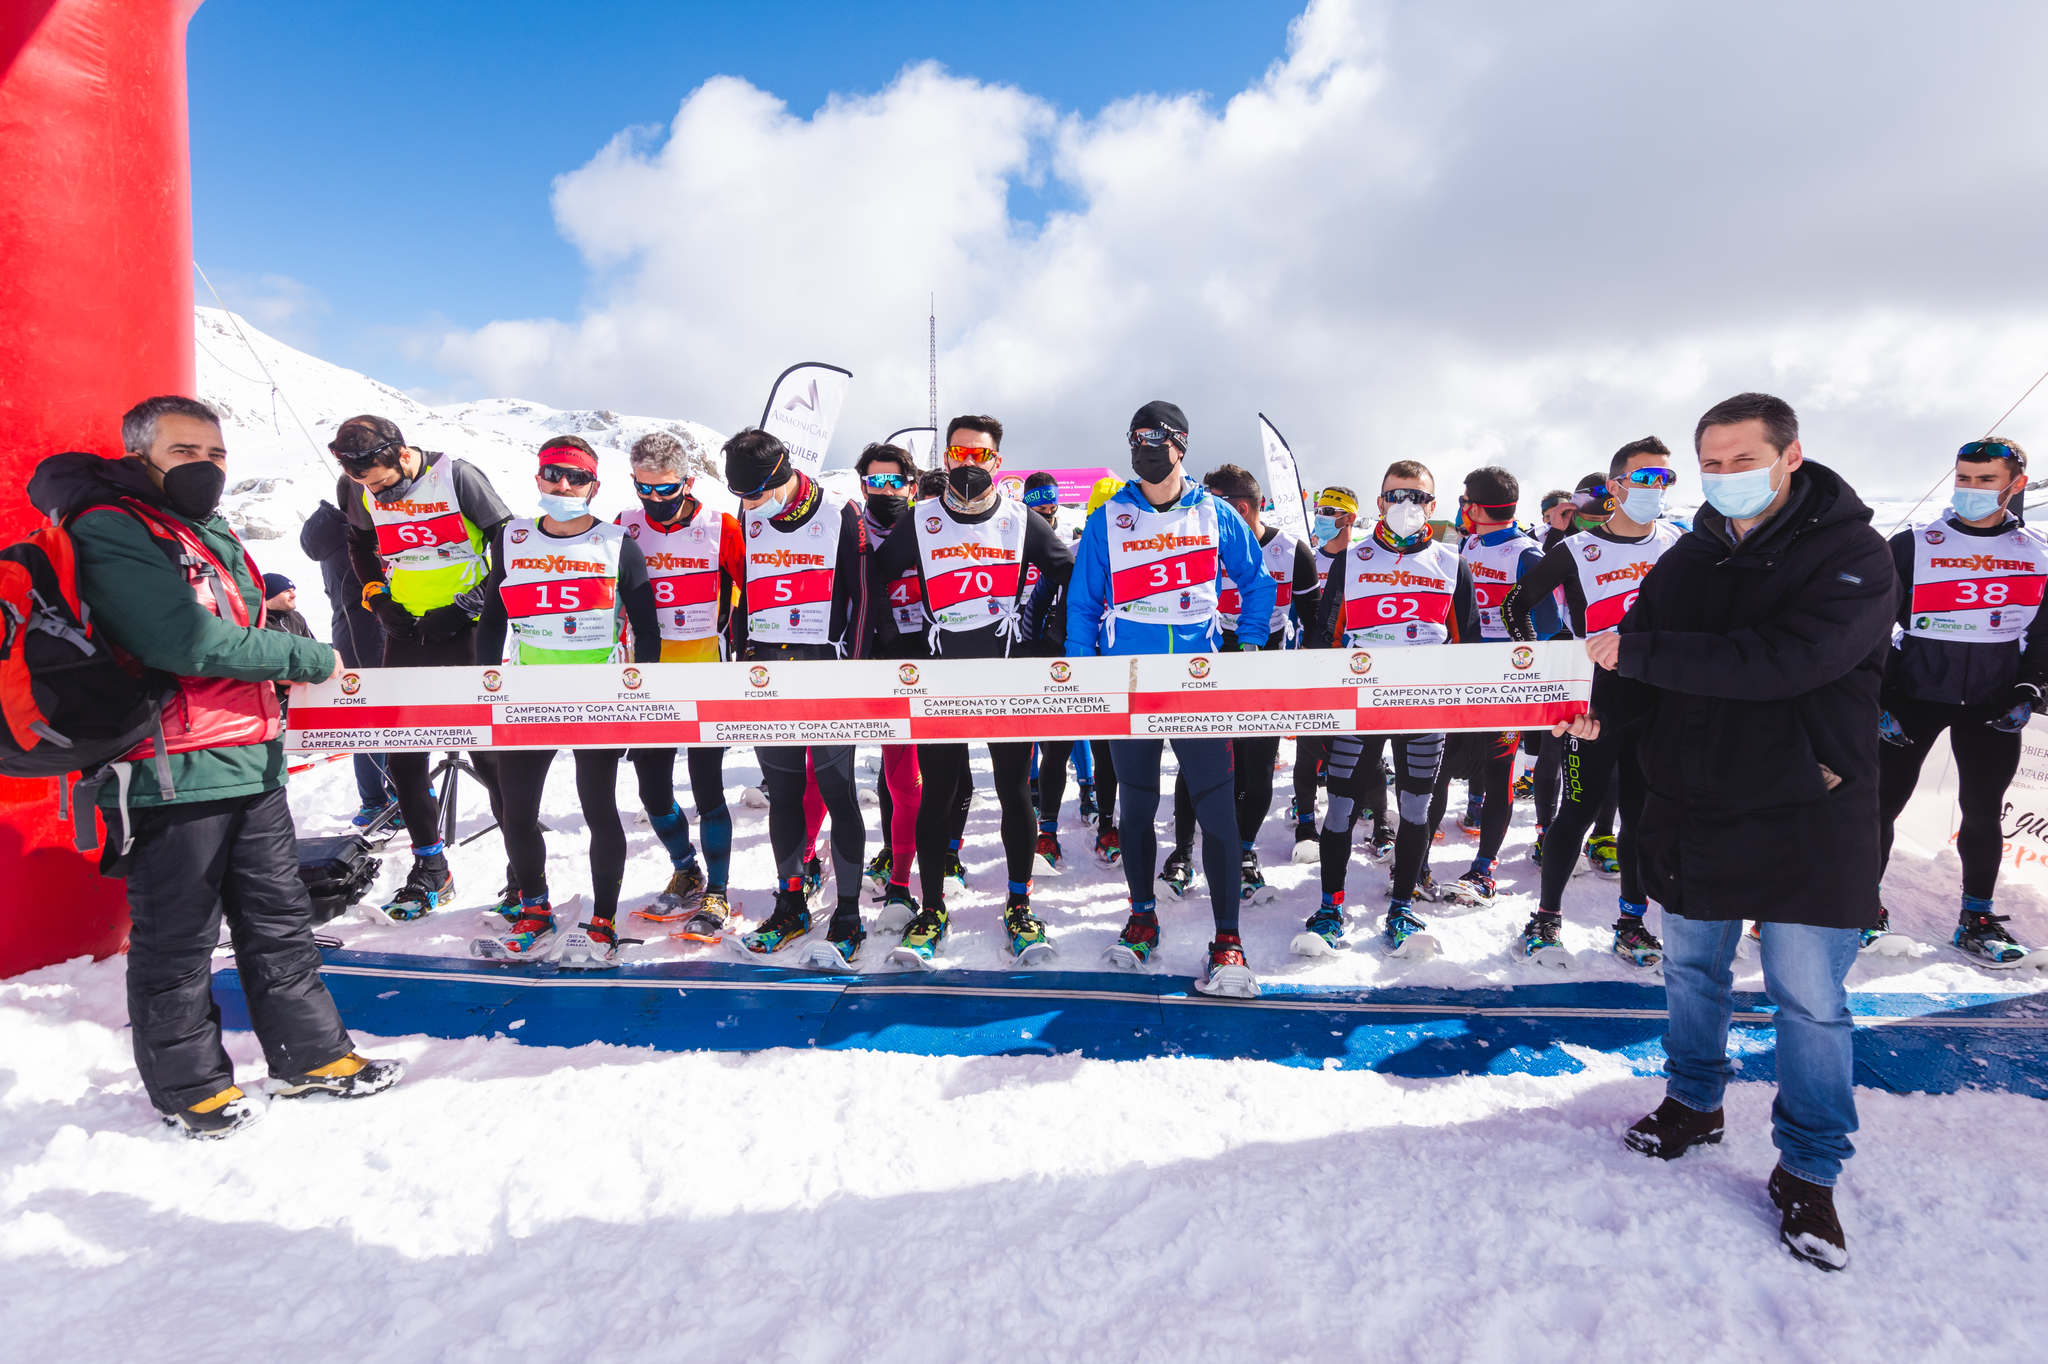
point(1283, 482)
point(803, 408)
point(921, 441)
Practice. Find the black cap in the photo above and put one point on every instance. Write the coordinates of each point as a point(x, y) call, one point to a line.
point(755, 462)
point(274, 583)
point(1162, 415)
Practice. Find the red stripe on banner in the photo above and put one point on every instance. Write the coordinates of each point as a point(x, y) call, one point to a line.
point(387, 717)
point(1017, 728)
point(596, 734)
point(818, 708)
point(1211, 702)
point(1428, 719)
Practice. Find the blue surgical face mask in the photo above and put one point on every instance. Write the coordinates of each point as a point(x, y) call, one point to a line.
point(562, 507)
point(1323, 529)
point(1643, 505)
point(1740, 496)
point(1974, 504)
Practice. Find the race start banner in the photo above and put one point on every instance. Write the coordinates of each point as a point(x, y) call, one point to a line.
point(617, 705)
point(803, 410)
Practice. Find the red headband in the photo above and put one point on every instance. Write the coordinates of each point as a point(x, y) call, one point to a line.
point(570, 457)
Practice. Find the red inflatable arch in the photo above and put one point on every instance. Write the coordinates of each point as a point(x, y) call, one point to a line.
point(95, 314)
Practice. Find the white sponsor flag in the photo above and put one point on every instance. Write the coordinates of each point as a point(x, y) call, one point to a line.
point(803, 407)
point(1283, 480)
point(921, 441)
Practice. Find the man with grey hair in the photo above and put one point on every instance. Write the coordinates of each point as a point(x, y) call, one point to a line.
point(196, 815)
point(693, 562)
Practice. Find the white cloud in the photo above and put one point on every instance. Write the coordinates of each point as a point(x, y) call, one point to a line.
point(287, 308)
point(1455, 232)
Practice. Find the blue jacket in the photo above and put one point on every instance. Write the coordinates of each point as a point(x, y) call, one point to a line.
point(1542, 612)
point(1088, 591)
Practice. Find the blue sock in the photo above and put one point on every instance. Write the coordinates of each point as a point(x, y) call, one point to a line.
point(1333, 899)
point(539, 901)
point(1148, 908)
point(1633, 909)
point(1976, 904)
point(1020, 887)
point(1048, 826)
point(1483, 866)
point(1244, 845)
point(673, 829)
point(436, 848)
point(716, 828)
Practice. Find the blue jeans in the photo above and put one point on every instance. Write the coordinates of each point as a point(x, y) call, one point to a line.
point(371, 788)
point(1804, 968)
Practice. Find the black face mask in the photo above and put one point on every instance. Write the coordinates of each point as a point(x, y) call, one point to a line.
point(396, 491)
point(969, 482)
point(884, 509)
point(193, 490)
point(664, 512)
point(1152, 463)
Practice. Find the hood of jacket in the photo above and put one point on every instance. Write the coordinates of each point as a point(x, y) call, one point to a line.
point(63, 485)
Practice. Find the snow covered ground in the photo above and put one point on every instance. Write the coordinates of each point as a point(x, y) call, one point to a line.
point(615, 1203)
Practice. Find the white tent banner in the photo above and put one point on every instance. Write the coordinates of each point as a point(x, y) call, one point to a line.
point(922, 443)
point(1283, 482)
point(803, 409)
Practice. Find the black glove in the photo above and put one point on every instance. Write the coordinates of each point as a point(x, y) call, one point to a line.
point(2019, 708)
point(444, 623)
point(398, 622)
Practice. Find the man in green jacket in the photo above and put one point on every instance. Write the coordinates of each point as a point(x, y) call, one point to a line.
point(197, 818)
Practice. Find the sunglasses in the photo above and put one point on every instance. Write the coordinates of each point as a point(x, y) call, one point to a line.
point(1992, 449)
point(567, 473)
point(647, 489)
point(1333, 512)
point(1652, 478)
point(1418, 496)
point(973, 454)
point(886, 482)
point(360, 461)
point(1156, 435)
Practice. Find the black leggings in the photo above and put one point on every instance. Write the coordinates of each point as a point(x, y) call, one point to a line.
point(1205, 764)
point(1354, 768)
point(1052, 778)
point(1491, 773)
point(1253, 758)
point(1309, 752)
point(784, 777)
point(1593, 770)
point(1985, 763)
point(407, 772)
point(946, 779)
point(656, 769)
point(524, 776)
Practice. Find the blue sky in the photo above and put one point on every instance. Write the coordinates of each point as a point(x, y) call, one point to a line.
point(395, 159)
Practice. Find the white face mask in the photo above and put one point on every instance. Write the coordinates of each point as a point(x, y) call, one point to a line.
point(1644, 505)
point(563, 507)
point(1404, 519)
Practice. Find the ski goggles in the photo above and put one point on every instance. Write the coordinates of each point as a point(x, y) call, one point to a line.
point(360, 461)
point(1158, 435)
point(1652, 478)
point(567, 473)
point(1047, 495)
point(885, 483)
point(1420, 497)
point(973, 454)
point(1992, 449)
point(649, 489)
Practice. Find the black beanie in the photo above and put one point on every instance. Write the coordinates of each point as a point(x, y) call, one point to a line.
point(1165, 417)
point(755, 462)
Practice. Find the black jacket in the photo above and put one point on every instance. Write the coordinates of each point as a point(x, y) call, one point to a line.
point(1757, 668)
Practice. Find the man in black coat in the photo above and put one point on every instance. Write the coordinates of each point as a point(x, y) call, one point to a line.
point(354, 631)
point(1757, 646)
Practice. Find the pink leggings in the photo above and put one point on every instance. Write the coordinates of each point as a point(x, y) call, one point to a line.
point(905, 790)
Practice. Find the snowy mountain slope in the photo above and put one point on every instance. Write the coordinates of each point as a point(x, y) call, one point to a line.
point(277, 474)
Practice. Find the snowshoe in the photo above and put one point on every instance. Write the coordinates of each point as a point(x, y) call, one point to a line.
point(814, 882)
point(785, 924)
point(1228, 977)
point(955, 869)
point(1308, 846)
point(1603, 857)
point(1474, 890)
point(1108, 851)
point(1046, 857)
point(1252, 888)
point(708, 922)
point(1134, 947)
point(1026, 933)
point(1673, 1130)
point(1808, 1228)
point(1427, 887)
point(843, 938)
point(1981, 937)
point(1322, 935)
point(1525, 786)
point(227, 1113)
point(1880, 939)
point(1178, 873)
point(427, 887)
point(532, 937)
point(1635, 944)
point(1090, 811)
point(1541, 944)
point(897, 912)
point(1402, 936)
point(1382, 845)
point(754, 797)
point(1468, 823)
point(922, 939)
point(877, 871)
point(593, 946)
point(680, 900)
